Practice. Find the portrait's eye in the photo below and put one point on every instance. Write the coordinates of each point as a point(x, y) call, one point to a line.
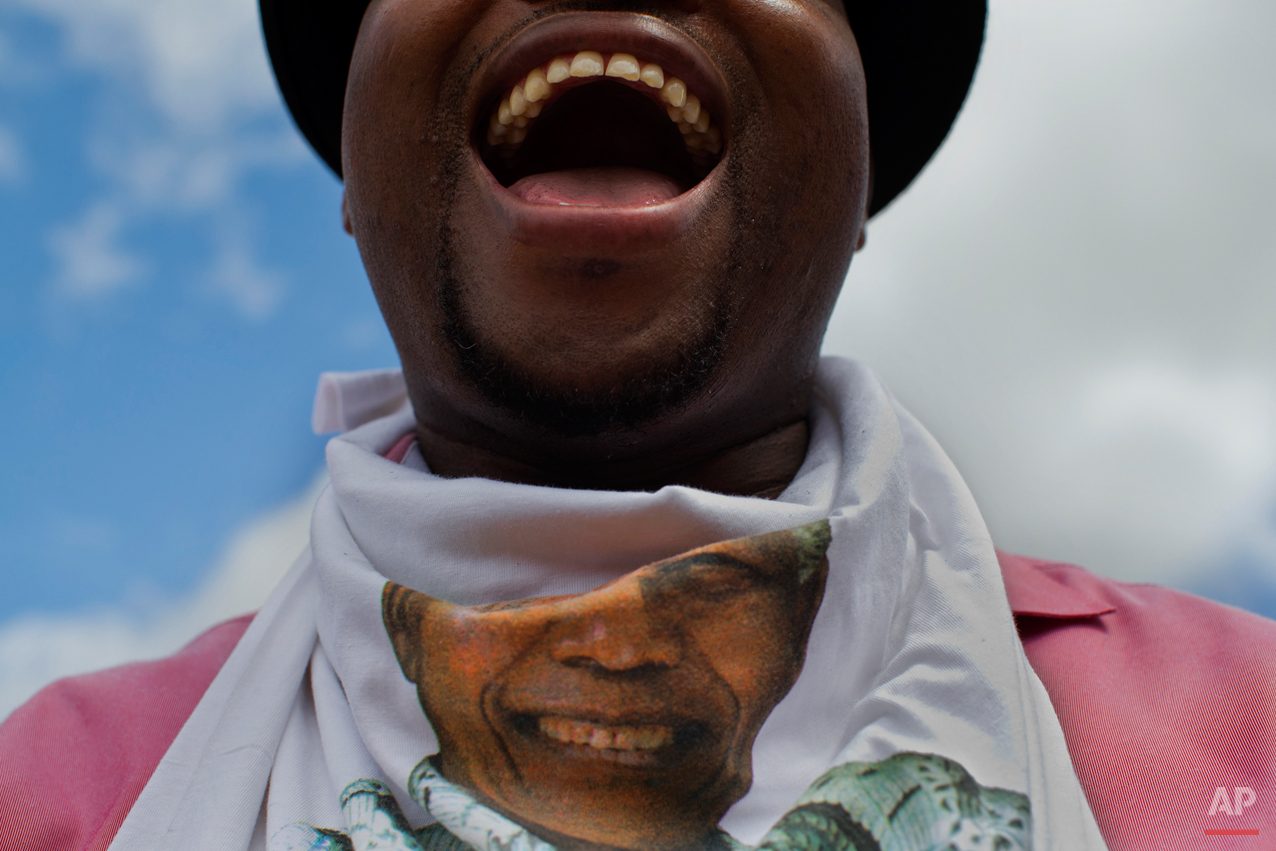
point(708, 585)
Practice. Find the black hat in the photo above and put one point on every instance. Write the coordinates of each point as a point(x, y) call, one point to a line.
point(919, 58)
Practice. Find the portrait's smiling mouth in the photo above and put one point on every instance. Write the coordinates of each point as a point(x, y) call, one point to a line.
point(594, 126)
point(635, 743)
point(627, 744)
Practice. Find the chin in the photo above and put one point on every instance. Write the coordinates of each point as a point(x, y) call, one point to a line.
point(581, 386)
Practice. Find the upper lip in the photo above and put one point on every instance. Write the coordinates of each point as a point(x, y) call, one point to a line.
point(649, 38)
point(591, 715)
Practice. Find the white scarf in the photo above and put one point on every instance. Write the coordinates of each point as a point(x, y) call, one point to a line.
point(913, 650)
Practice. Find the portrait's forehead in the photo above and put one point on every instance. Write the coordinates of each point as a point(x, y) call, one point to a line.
point(796, 553)
point(790, 556)
point(519, 605)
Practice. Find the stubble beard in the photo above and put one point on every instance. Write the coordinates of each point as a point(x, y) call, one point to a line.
point(643, 394)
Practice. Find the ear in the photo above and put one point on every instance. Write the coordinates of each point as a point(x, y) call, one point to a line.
point(868, 201)
point(401, 612)
point(349, 228)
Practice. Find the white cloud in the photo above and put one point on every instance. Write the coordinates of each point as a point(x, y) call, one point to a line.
point(13, 162)
point(190, 174)
point(254, 291)
point(91, 263)
point(201, 64)
point(1151, 448)
point(191, 110)
point(1076, 296)
point(1230, 422)
point(200, 84)
point(37, 649)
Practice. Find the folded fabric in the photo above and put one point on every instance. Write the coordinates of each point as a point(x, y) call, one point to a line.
point(634, 669)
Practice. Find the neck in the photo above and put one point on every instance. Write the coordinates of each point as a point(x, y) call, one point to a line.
point(761, 467)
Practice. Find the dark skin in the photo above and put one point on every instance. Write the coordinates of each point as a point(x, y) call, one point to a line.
point(697, 650)
point(686, 356)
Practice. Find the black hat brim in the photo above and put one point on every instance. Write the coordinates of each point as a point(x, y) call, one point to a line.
point(919, 59)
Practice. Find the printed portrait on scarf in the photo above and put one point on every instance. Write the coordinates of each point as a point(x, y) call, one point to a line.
point(625, 717)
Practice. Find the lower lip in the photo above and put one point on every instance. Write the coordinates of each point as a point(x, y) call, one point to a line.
point(595, 230)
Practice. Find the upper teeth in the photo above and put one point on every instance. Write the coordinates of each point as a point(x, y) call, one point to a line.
point(522, 103)
point(602, 737)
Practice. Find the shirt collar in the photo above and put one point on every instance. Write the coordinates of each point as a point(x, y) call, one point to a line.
point(1045, 589)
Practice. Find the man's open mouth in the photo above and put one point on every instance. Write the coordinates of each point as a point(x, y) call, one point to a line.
point(601, 110)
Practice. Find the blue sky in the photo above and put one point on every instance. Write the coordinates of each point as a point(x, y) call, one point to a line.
point(1077, 298)
point(160, 351)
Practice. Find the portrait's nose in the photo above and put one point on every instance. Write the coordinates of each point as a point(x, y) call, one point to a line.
point(619, 638)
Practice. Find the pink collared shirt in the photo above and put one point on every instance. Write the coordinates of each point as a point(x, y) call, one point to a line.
point(1164, 698)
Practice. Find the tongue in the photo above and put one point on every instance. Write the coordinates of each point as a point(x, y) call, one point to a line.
point(612, 186)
